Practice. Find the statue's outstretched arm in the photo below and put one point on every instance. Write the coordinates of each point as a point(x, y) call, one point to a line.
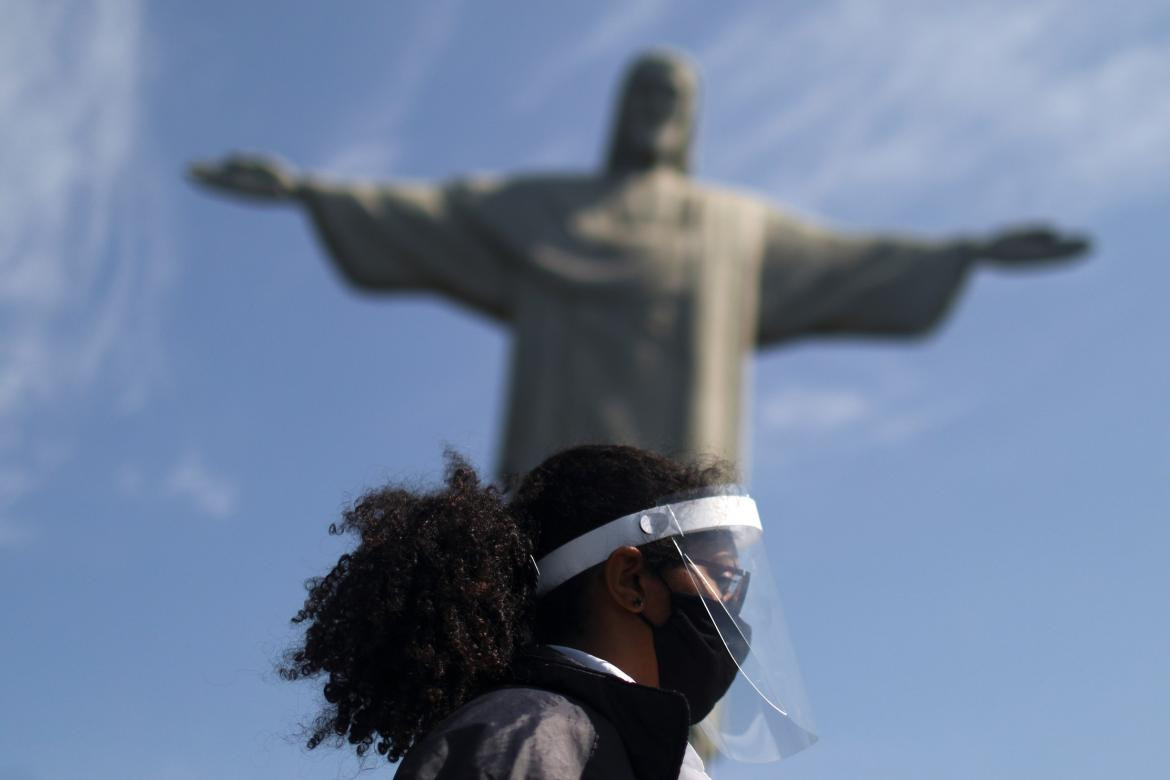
point(252, 176)
point(816, 280)
point(386, 236)
point(1030, 245)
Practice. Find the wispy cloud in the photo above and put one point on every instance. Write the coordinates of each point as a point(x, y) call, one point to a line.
point(816, 411)
point(77, 277)
point(209, 492)
point(615, 29)
point(13, 535)
point(1025, 105)
point(375, 147)
point(14, 483)
point(129, 480)
point(811, 419)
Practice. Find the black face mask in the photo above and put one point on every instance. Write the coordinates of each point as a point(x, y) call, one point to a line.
point(692, 656)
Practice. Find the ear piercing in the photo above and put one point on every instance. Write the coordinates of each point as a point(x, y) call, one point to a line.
point(637, 601)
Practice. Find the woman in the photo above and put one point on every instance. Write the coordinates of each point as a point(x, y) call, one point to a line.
point(575, 630)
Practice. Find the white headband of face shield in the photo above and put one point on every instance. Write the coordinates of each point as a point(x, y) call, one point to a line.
point(642, 527)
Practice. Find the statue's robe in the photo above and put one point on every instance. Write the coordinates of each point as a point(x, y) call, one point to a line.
point(633, 301)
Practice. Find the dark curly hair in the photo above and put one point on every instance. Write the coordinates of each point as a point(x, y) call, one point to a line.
point(436, 601)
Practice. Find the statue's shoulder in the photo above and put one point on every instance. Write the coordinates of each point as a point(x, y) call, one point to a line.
point(732, 197)
point(518, 184)
point(528, 188)
point(539, 181)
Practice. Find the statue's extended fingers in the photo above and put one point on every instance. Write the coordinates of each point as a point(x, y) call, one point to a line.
point(1055, 249)
point(251, 161)
point(1074, 245)
point(1038, 236)
point(199, 170)
point(205, 172)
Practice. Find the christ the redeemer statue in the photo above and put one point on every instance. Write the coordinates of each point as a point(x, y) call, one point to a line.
point(633, 295)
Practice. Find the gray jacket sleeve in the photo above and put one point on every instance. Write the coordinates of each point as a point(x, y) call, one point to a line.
point(510, 733)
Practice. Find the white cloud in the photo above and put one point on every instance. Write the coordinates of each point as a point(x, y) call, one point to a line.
point(806, 410)
point(13, 535)
point(375, 148)
point(1000, 107)
point(615, 28)
point(129, 480)
point(905, 424)
point(211, 493)
point(15, 482)
point(812, 419)
point(80, 270)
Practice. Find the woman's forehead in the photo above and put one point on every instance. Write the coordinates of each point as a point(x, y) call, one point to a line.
point(710, 544)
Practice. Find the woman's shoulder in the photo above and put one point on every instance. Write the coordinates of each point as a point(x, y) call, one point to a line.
point(526, 712)
point(518, 732)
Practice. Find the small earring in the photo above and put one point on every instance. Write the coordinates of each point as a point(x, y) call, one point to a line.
point(637, 601)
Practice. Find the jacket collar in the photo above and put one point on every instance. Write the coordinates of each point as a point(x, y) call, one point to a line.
point(653, 723)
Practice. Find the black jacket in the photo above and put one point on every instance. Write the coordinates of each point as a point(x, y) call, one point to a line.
point(559, 721)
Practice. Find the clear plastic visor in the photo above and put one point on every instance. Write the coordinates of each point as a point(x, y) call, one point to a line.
point(765, 715)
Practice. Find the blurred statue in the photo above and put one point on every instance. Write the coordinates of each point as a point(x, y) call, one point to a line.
point(634, 295)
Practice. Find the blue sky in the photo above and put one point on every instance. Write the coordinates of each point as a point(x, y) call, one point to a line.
point(971, 531)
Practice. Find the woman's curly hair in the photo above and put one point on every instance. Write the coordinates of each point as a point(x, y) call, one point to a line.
point(426, 612)
point(435, 602)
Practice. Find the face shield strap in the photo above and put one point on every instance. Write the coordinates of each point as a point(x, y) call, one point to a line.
point(733, 512)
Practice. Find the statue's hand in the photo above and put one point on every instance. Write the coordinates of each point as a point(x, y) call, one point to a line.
point(252, 176)
point(1031, 245)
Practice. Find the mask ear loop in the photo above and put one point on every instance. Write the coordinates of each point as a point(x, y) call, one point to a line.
point(639, 602)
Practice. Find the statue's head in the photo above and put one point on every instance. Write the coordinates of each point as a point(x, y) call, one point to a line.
point(655, 114)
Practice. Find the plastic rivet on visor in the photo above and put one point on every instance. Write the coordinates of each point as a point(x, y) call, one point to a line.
point(654, 523)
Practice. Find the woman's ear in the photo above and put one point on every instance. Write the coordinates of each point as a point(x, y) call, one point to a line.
point(623, 575)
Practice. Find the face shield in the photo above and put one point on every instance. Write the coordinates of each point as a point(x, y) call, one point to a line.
point(712, 546)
